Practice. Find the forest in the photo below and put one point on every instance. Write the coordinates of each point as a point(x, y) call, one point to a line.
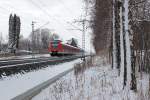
point(121, 32)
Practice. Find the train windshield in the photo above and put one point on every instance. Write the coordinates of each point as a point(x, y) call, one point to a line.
point(55, 43)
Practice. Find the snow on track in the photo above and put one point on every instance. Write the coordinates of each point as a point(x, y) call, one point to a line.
point(18, 84)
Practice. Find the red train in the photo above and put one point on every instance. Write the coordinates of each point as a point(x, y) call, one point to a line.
point(57, 48)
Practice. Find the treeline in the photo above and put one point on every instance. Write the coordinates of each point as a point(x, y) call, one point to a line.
point(122, 26)
point(37, 41)
point(101, 14)
point(132, 22)
point(139, 18)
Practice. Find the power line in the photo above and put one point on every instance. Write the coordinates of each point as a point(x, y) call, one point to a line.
point(44, 11)
point(55, 18)
point(4, 9)
point(43, 25)
point(40, 8)
point(63, 20)
point(70, 12)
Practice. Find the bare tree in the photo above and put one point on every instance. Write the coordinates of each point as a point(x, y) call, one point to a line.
point(36, 40)
point(24, 43)
point(45, 38)
point(118, 5)
point(14, 32)
point(54, 37)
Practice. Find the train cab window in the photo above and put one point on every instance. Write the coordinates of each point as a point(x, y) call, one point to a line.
point(55, 44)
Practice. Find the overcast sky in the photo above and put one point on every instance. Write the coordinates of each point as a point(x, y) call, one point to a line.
point(56, 12)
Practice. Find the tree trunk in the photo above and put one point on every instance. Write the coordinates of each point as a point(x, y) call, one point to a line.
point(132, 46)
point(124, 46)
point(113, 38)
point(117, 34)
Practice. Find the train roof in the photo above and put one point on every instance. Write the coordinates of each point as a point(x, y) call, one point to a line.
point(66, 44)
point(71, 46)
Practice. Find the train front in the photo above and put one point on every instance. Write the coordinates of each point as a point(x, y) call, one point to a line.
point(55, 48)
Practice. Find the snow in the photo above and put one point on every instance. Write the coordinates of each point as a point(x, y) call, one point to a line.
point(17, 84)
point(99, 82)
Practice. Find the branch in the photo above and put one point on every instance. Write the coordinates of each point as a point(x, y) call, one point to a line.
point(137, 3)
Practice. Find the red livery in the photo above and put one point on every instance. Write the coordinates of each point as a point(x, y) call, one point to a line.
point(57, 48)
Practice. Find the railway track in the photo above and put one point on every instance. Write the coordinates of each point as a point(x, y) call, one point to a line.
point(21, 61)
point(13, 66)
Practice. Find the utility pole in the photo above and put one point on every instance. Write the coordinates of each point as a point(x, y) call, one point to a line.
point(83, 30)
point(83, 22)
point(33, 42)
point(33, 22)
point(33, 32)
point(83, 40)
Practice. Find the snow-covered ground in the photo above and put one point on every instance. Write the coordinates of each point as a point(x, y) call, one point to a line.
point(17, 84)
point(98, 82)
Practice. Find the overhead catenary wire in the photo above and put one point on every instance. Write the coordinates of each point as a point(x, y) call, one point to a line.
point(69, 11)
point(55, 18)
point(36, 5)
point(5, 10)
point(45, 12)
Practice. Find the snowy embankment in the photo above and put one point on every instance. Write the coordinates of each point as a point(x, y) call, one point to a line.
point(98, 82)
point(17, 84)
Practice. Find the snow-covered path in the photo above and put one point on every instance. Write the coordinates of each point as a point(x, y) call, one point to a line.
point(18, 84)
